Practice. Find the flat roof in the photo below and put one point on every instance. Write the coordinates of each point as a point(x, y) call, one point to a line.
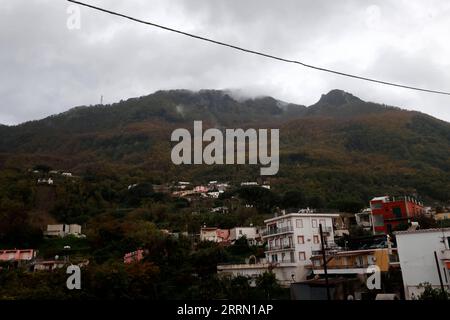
point(422, 231)
point(305, 215)
point(355, 252)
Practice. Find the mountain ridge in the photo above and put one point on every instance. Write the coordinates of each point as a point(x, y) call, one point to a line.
point(333, 103)
point(339, 146)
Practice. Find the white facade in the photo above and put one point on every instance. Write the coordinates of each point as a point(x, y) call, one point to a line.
point(251, 233)
point(208, 234)
point(250, 183)
point(62, 230)
point(417, 260)
point(291, 240)
point(283, 275)
point(364, 219)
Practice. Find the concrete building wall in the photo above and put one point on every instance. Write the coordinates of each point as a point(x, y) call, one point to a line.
point(417, 261)
point(285, 274)
point(249, 232)
point(74, 229)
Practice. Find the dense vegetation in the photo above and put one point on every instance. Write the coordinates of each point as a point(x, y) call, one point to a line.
point(340, 149)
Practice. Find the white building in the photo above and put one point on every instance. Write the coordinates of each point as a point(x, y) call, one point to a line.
point(251, 233)
point(364, 219)
point(62, 230)
point(214, 234)
point(291, 241)
point(416, 250)
point(48, 181)
point(249, 184)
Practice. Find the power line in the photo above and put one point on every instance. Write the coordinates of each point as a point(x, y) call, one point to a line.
point(257, 52)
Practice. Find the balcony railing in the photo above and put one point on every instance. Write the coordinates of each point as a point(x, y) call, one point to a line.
point(281, 247)
point(274, 231)
point(287, 260)
point(342, 266)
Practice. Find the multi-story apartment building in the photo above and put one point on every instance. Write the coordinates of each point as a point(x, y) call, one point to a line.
point(389, 212)
point(291, 241)
point(293, 238)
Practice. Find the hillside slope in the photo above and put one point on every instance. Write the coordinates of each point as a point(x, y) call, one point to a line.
point(339, 147)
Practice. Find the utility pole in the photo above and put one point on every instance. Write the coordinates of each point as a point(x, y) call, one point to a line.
point(325, 263)
point(439, 272)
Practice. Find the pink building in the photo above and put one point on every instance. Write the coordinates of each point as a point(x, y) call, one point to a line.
point(17, 255)
point(16, 258)
point(201, 189)
point(214, 235)
point(134, 256)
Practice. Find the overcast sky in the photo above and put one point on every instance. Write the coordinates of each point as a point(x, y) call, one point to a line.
point(45, 68)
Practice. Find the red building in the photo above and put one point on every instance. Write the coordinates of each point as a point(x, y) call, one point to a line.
point(389, 212)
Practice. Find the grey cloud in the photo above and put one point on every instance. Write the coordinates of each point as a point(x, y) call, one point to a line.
point(47, 69)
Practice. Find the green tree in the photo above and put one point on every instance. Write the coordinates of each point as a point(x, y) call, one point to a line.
point(430, 293)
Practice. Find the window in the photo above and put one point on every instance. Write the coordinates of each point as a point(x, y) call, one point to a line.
point(314, 223)
point(299, 223)
point(376, 205)
point(322, 222)
point(397, 212)
point(300, 239)
point(301, 256)
point(240, 232)
point(359, 261)
point(274, 258)
point(378, 220)
point(316, 239)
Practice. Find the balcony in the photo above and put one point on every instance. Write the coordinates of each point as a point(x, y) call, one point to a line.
point(286, 261)
point(281, 247)
point(275, 231)
point(350, 268)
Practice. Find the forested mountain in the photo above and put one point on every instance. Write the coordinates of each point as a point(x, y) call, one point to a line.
point(340, 147)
